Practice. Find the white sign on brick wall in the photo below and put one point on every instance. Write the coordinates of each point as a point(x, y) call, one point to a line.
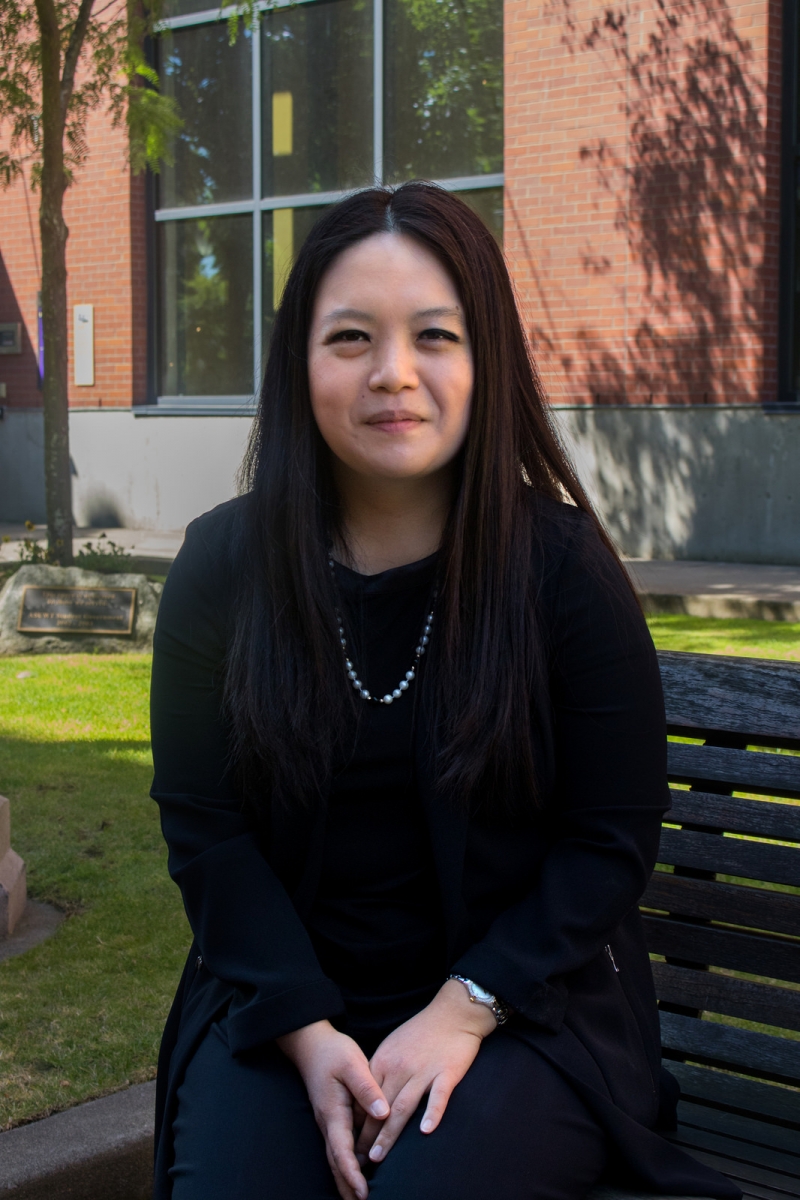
point(83, 344)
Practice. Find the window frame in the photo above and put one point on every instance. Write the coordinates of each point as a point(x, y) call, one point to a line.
point(258, 204)
point(789, 281)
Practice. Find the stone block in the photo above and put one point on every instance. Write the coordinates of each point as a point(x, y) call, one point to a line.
point(102, 1150)
point(148, 596)
point(13, 890)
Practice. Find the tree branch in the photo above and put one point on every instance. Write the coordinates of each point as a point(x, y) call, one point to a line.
point(74, 47)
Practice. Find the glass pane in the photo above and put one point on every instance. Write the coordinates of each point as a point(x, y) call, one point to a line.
point(488, 204)
point(211, 83)
point(205, 271)
point(316, 70)
point(444, 88)
point(284, 230)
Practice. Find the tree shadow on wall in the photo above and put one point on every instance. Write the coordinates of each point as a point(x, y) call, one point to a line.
point(689, 185)
point(18, 371)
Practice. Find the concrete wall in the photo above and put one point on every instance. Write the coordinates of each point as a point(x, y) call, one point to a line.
point(713, 482)
point(152, 472)
point(21, 465)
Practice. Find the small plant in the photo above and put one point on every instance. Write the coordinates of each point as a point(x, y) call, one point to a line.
point(103, 555)
point(32, 551)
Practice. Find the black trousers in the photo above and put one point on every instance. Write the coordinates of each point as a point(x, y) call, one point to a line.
point(513, 1130)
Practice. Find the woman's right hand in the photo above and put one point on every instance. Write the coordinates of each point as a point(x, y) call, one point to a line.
point(340, 1087)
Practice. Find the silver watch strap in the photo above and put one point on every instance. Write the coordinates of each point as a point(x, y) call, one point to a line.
point(500, 1011)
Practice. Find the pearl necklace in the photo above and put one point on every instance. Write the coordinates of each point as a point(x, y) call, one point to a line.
point(410, 675)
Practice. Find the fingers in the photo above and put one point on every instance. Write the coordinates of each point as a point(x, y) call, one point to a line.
point(359, 1081)
point(363, 1096)
point(350, 1183)
point(367, 1135)
point(439, 1098)
point(404, 1107)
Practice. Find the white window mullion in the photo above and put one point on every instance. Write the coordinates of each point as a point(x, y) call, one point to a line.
point(258, 323)
point(377, 87)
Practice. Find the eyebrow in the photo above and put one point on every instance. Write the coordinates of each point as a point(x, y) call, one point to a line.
point(357, 314)
point(440, 312)
point(340, 313)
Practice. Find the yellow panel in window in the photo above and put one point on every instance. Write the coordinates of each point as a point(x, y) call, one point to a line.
point(283, 251)
point(281, 124)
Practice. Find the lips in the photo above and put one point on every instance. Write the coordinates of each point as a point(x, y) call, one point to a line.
point(394, 420)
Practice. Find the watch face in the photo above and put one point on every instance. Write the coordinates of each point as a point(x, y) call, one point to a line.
point(481, 995)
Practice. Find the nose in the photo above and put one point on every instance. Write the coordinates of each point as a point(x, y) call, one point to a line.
point(394, 367)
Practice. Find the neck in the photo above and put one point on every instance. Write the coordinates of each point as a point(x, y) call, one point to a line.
point(391, 522)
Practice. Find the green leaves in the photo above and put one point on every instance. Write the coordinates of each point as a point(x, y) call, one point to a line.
point(102, 64)
point(153, 119)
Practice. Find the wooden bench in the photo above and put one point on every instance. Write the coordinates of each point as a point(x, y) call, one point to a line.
point(722, 913)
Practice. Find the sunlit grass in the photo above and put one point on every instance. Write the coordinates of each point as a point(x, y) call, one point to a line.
point(706, 635)
point(82, 1013)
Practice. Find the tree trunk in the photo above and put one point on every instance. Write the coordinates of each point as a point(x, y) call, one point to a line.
point(54, 232)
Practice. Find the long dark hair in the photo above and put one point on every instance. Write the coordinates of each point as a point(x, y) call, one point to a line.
point(288, 697)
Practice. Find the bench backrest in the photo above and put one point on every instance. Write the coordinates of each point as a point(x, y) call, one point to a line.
point(722, 910)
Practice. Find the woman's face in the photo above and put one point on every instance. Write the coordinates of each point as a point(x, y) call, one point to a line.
point(390, 367)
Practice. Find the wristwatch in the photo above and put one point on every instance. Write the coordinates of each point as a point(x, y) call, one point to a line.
point(478, 995)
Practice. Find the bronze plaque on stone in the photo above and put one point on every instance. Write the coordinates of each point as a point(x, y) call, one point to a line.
point(76, 610)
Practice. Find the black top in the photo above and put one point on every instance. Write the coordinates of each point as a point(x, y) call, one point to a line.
point(528, 906)
point(376, 923)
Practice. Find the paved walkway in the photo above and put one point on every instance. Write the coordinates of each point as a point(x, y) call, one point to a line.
point(703, 589)
point(714, 589)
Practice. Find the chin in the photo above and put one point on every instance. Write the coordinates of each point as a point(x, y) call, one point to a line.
point(402, 470)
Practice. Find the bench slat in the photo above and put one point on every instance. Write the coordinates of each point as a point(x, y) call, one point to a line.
point(610, 1191)
point(742, 770)
point(711, 992)
point(759, 817)
point(720, 1143)
point(732, 1091)
point(742, 695)
point(748, 1129)
point(724, 948)
point(730, 856)
point(753, 1180)
point(727, 1044)
point(730, 902)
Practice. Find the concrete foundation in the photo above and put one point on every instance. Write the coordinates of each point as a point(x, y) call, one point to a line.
point(152, 472)
point(713, 483)
point(22, 465)
point(710, 483)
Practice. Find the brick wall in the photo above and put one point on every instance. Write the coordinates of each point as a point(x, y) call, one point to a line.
point(106, 264)
point(642, 166)
point(642, 143)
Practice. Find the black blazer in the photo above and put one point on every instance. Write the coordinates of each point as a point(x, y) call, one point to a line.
point(542, 912)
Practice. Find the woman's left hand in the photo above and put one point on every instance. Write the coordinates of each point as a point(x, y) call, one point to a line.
point(430, 1053)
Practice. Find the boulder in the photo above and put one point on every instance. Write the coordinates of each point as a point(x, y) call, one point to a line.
point(139, 641)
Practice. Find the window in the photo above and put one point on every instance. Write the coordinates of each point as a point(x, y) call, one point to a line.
point(324, 96)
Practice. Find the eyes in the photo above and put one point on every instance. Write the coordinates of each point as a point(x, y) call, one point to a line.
point(345, 336)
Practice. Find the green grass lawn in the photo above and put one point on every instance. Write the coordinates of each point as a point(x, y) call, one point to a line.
point(753, 639)
point(82, 1013)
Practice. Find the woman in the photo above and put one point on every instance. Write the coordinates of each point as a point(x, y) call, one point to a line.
point(410, 759)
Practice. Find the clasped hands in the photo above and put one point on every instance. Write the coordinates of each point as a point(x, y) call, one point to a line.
point(362, 1106)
